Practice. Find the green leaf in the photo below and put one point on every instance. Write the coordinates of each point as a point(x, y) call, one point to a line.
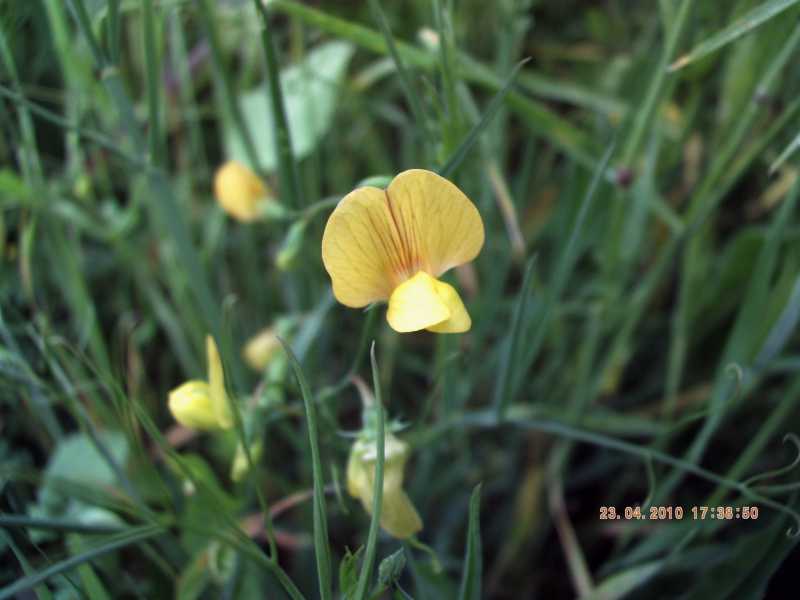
point(77, 459)
point(741, 26)
point(310, 90)
point(473, 557)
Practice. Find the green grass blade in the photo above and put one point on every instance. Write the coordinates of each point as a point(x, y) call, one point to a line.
point(289, 178)
point(321, 543)
point(461, 152)
point(412, 97)
point(133, 536)
point(509, 358)
point(152, 62)
point(49, 524)
point(208, 17)
point(742, 26)
point(542, 120)
point(377, 501)
point(564, 267)
point(473, 556)
point(793, 146)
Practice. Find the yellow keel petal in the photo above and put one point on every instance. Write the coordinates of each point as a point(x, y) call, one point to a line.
point(459, 320)
point(399, 518)
point(190, 405)
point(415, 304)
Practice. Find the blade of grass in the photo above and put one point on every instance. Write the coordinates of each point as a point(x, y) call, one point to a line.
point(26, 522)
point(486, 420)
point(152, 63)
point(460, 153)
point(164, 207)
point(470, 588)
point(784, 156)
point(563, 269)
point(742, 26)
point(509, 357)
point(377, 495)
point(289, 178)
point(321, 547)
point(222, 74)
point(541, 119)
point(402, 74)
point(133, 536)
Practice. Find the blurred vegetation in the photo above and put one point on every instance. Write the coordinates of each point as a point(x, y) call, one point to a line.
point(634, 307)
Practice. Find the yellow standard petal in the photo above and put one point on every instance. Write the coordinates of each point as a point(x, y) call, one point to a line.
point(240, 192)
point(191, 406)
point(423, 302)
point(216, 385)
point(439, 225)
point(360, 248)
point(377, 239)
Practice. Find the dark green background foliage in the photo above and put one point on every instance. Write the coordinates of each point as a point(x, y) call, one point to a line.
point(634, 307)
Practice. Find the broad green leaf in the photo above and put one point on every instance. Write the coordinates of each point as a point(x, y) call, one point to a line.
point(77, 459)
point(310, 90)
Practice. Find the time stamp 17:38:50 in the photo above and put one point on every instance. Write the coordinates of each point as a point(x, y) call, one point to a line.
point(667, 513)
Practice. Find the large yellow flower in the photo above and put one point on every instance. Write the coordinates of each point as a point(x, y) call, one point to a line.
point(393, 244)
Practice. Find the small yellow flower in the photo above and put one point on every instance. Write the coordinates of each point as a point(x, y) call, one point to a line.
point(393, 244)
point(259, 349)
point(239, 465)
point(399, 518)
point(240, 192)
point(203, 404)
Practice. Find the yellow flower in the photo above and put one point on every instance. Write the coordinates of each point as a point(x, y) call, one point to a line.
point(203, 404)
point(239, 465)
point(393, 244)
point(259, 349)
point(399, 518)
point(240, 192)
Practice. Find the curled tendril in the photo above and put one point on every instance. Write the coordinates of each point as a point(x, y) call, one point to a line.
point(789, 437)
point(738, 373)
point(792, 532)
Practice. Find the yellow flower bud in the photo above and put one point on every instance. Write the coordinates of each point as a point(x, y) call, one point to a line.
point(240, 192)
point(190, 404)
point(216, 383)
point(239, 465)
point(200, 404)
point(259, 350)
point(399, 518)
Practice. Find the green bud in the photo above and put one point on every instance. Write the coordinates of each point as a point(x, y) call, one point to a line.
point(292, 244)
